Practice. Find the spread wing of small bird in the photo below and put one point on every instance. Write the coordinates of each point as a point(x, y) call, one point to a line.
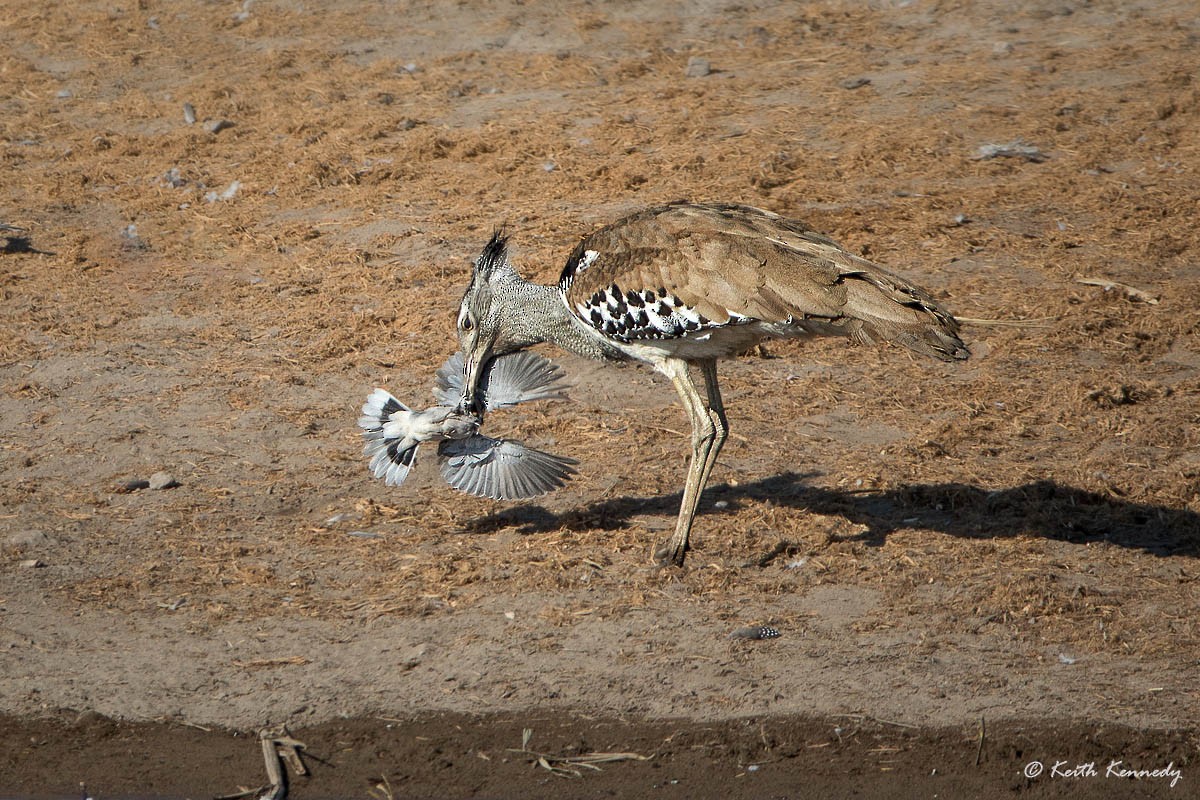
point(521, 377)
point(500, 469)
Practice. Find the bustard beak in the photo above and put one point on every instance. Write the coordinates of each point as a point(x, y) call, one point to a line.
point(471, 402)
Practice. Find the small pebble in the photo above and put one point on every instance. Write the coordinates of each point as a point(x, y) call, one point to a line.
point(756, 632)
point(31, 563)
point(217, 125)
point(189, 113)
point(1013, 149)
point(413, 657)
point(697, 67)
point(132, 486)
point(854, 83)
point(63, 94)
point(364, 535)
point(228, 194)
point(130, 238)
point(161, 480)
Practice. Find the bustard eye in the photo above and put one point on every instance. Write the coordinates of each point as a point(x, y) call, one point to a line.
point(464, 321)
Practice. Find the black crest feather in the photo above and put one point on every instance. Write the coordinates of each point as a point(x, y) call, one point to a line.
point(495, 254)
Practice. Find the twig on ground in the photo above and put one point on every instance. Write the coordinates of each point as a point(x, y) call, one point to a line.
point(257, 663)
point(382, 790)
point(1039, 322)
point(1132, 292)
point(288, 750)
point(863, 717)
point(562, 765)
point(277, 747)
point(277, 788)
point(982, 734)
point(782, 547)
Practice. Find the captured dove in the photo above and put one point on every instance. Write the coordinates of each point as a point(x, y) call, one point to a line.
point(500, 469)
point(393, 431)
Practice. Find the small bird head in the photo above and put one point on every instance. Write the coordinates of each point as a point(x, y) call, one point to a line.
point(459, 426)
point(482, 329)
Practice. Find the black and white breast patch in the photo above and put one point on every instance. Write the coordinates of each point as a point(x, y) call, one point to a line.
point(627, 315)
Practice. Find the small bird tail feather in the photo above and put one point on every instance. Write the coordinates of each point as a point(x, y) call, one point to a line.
point(391, 457)
point(378, 410)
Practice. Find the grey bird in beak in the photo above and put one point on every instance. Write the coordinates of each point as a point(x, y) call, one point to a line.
point(480, 465)
point(498, 468)
point(393, 431)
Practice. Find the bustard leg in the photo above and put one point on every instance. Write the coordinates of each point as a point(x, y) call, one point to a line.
point(716, 412)
point(709, 429)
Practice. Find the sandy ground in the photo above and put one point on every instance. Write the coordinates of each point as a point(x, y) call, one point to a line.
point(1013, 539)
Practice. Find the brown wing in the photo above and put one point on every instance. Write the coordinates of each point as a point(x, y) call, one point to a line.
point(707, 260)
point(670, 270)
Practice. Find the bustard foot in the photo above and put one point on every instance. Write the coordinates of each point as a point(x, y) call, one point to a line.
point(671, 554)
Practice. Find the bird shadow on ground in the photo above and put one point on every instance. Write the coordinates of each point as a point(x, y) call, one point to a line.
point(1042, 508)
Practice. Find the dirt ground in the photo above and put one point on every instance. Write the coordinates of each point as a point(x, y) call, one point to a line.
point(1013, 540)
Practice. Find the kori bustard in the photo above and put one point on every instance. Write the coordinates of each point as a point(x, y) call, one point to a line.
point(683, 285)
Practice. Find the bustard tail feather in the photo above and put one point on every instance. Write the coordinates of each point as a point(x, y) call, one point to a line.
point(886, 307)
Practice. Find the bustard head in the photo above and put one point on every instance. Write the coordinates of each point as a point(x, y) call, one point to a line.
point(485, 327)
